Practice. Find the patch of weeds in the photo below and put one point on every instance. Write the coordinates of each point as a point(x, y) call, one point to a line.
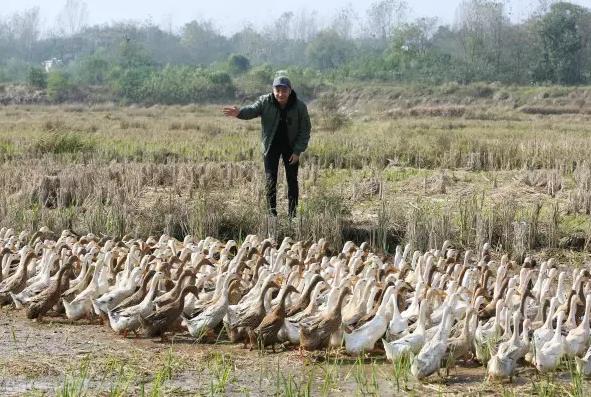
point(363, 385)
point(545, 387)
point(290, 386)
point(575, 388)
point(330, 376)
point(76, 384)
point(401, 369)
point(60, 143)
point(221, 367)
point(164, 374)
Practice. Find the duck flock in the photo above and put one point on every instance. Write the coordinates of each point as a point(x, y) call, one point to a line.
point(435, 307)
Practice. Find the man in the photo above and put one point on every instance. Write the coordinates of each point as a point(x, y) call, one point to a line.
point(285, 134)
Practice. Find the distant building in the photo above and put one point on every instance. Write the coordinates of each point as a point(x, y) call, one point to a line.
point(52, 63)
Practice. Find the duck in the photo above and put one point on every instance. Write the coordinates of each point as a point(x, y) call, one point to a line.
point(578, 338)
point(123, 319)
point(36, 285)
point(138, 296)
point(16, 282)
point(502, 364)
point(461, 345)
point(84, 277)
point(487, 333)
point(548, 357)
point(304, 299)
point(397, 324)
point(583, 365)
point(316, 332)
point(544, 333)
point(410, 343)
point(290, 331)
point(207, 320)
point(163, 319)
point(112, 298)
point(81, 305)
point(47, 299)
point(428, 360)
point(363, 339)
point(252, 317)
point(184, 279)
point(266, 334)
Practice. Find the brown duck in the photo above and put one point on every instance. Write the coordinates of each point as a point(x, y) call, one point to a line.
point(266, 333)
point(163, 319)
point(47, 299)
point(304, 299)
point(137, 296)
point(315, 334)
point(252, 317)
point(172, 295)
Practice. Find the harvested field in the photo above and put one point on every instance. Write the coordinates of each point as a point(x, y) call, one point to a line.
point(518, 178)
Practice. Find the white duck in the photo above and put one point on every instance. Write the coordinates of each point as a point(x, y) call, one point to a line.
point(487, 333)
point(584, 364)
point(363, 339)
point(128, 319)
point(397, 324)
point(503, 363)
point(548, 357)
point(213, 315)
point(111, 299)
point(81, 305)
point(544, 333)
point(411, 343)
point(429, 358)
point(578, 338)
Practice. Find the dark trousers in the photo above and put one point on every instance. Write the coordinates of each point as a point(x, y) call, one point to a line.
point(291, 173)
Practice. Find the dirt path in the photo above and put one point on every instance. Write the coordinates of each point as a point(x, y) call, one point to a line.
point(56, 357)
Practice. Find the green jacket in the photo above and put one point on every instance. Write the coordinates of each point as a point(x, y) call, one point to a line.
point(298, 121)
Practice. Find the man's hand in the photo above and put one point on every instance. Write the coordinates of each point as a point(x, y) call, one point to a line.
point(293, 159)
point(231, 111)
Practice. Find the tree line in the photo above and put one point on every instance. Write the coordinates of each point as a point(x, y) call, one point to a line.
point(142, 62)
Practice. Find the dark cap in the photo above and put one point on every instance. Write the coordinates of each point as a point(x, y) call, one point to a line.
point(281, 81)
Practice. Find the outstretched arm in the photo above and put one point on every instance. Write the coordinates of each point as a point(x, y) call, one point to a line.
point(245, 112)
point(231, 111)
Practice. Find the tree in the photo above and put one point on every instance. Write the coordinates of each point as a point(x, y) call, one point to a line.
point(204, 43)
point(344, 22)
point(238, 64)
point(73, 17)
point(561, 39)
point(328, 50)
point(482, 27)
point(25, 30)
point(383, 16)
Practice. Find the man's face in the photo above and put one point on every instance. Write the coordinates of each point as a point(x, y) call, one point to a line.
point(281, 94)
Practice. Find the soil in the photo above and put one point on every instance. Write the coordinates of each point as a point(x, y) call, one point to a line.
point(57, 357)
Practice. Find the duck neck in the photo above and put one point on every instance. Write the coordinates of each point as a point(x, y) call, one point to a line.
point(585, 320)
point(336, 311)
point(151, 295)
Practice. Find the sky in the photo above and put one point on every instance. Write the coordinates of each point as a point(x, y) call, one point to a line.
point(230, 16)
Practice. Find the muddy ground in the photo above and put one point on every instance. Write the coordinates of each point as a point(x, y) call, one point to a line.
point(58, 358)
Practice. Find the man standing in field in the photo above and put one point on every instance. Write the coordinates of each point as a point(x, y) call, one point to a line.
point(285, 133)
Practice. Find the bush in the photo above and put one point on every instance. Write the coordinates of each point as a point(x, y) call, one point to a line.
point(60, 143)
point(37, 78)
point(58, 86)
